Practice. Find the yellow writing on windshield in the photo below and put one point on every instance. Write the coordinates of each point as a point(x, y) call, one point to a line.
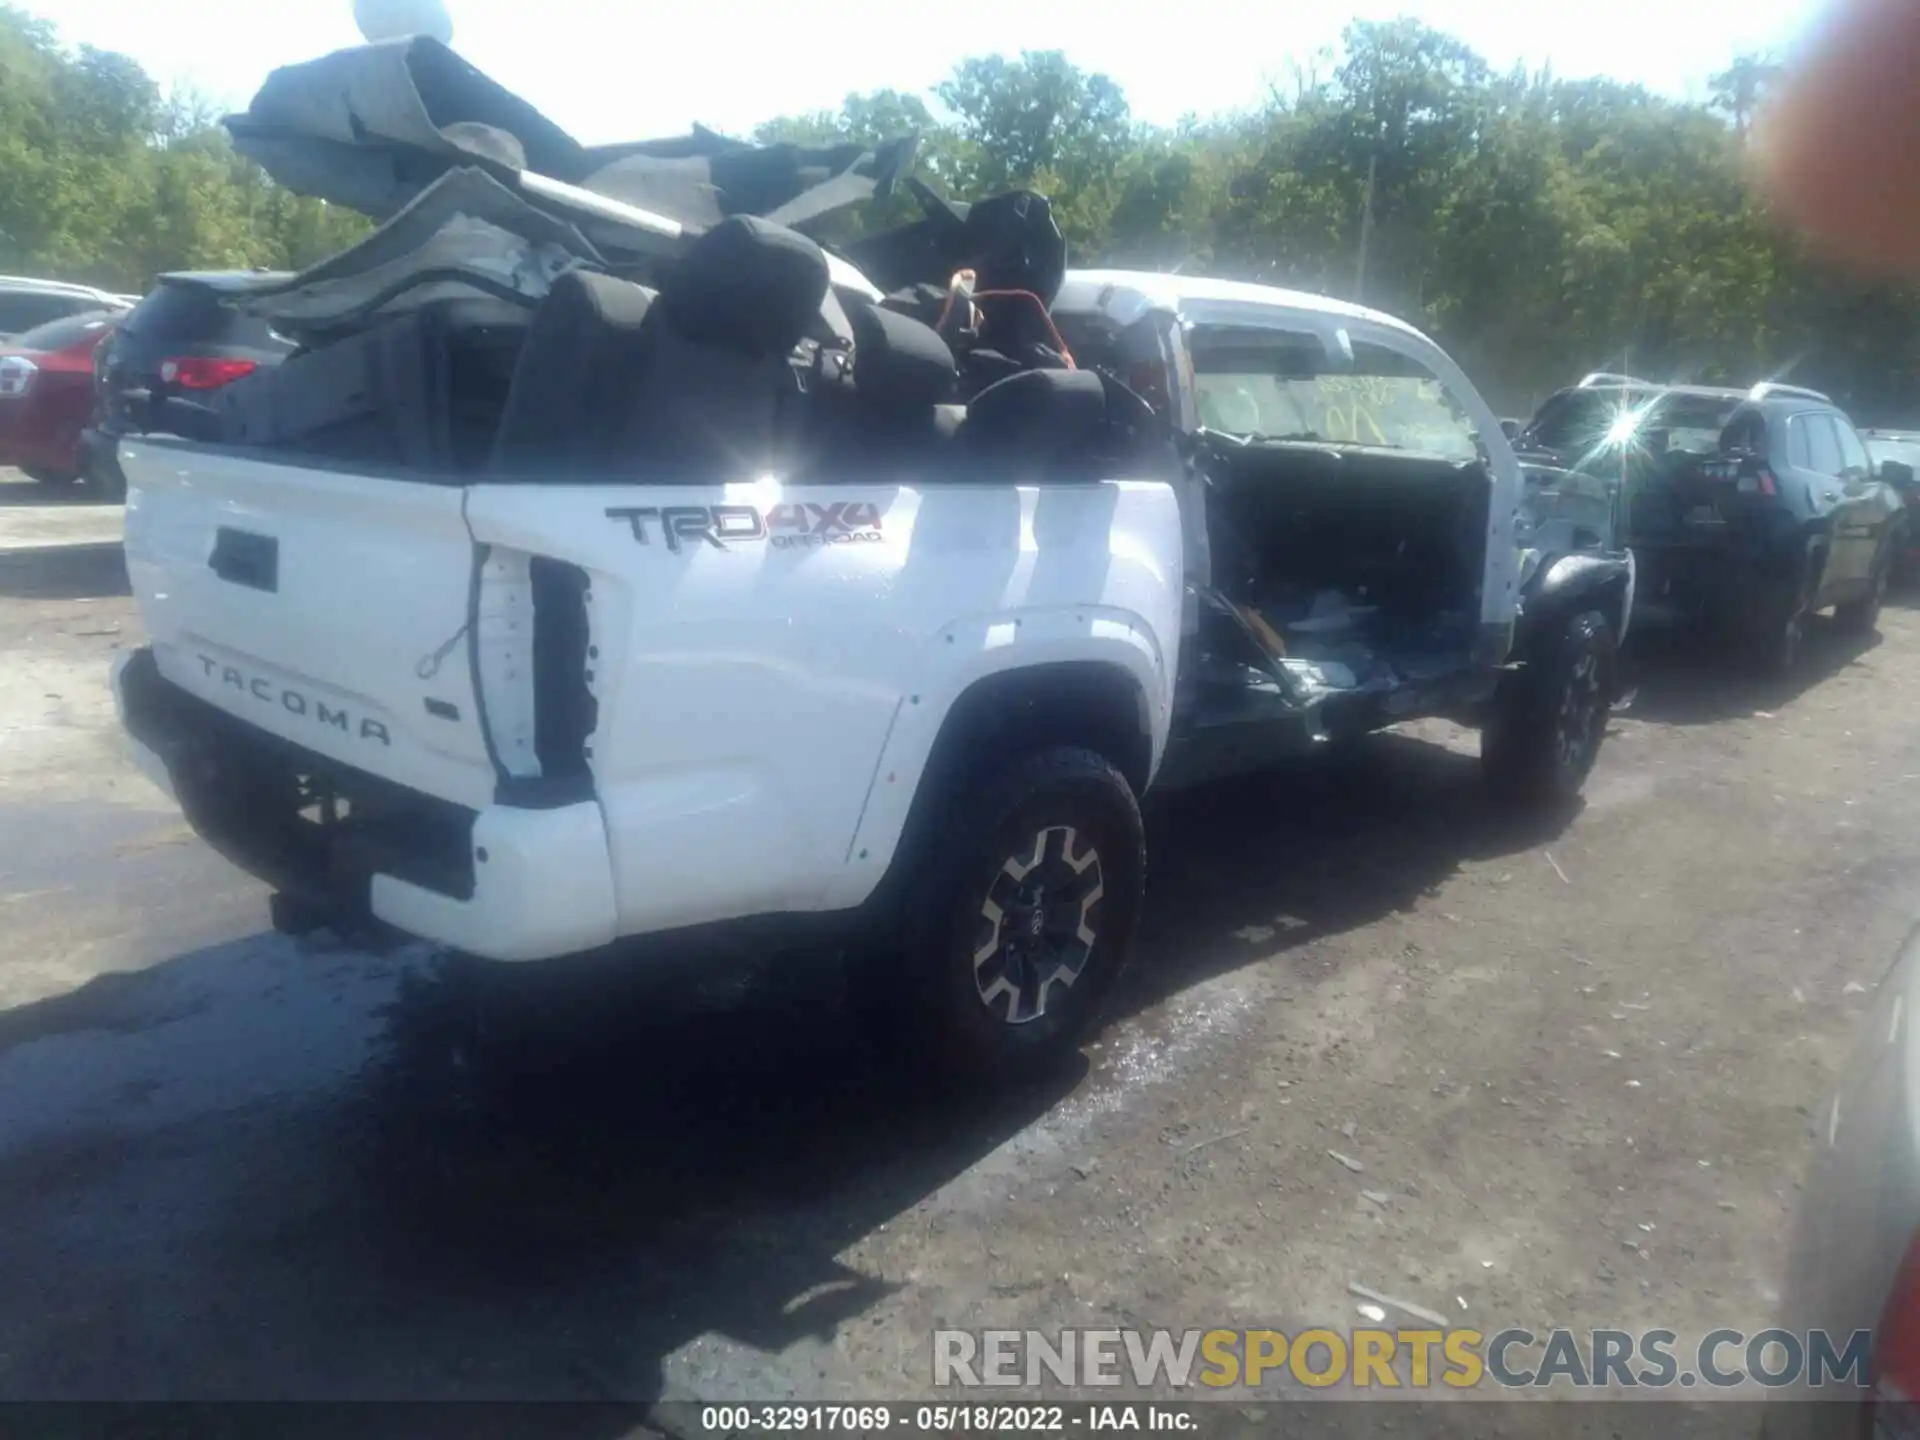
point(1353, 406)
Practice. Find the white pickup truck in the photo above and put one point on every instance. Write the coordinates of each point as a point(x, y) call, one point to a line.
point(529, 628)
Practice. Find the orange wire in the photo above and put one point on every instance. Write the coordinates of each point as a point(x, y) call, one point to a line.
point(1040, 305)
point(952, 290)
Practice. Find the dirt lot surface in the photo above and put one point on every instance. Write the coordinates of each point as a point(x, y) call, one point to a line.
point(1575, 1063)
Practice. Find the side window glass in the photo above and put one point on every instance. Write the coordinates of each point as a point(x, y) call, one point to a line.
point(1853, 454)
point(1823, 445)
point(1797, 456)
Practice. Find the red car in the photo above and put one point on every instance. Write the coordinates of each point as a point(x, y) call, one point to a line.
point(46, 394)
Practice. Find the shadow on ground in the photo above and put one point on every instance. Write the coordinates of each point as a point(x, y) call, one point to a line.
point(65, 572)
point(257, 1171)
point(28, 494)
point(1680, 679)
point(1311, 850)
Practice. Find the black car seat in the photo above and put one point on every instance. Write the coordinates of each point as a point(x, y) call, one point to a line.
point(1033, 425)
point(903, 378)
point(580, 366)
point(616, 382)
point(716, 392)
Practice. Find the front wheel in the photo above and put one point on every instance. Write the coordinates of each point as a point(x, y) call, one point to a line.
point(1020, 929)
point(1549, 718)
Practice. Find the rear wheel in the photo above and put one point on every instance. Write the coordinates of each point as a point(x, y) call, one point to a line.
point(1781, 637)
point(1776, 642)
point(1550, 717)
point(1861, 616)
point(1020, 929)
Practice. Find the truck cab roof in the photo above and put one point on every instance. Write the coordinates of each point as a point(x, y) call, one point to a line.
point(1126, 295)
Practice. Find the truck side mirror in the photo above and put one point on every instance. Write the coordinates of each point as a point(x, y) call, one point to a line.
point(1897, 473)
point(1510, 429)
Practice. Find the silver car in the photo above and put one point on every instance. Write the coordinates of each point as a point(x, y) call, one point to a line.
point(1855, 1261)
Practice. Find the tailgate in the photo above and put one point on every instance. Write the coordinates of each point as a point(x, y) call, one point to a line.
point(1708, 502)
point(324, 607)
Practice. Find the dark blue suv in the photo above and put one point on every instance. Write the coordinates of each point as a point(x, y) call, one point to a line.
point(1746, 510)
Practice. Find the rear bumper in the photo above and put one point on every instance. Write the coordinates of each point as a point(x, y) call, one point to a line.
point(1679, 583)
point(29, 440)
point(500, 882)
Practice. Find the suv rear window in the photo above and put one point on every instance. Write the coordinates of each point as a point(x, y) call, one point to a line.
point(59, 334)
point(180, 311)
point(1693, 422)
point(186, 315)
point(1580, 419)
point(1584, 420)
point(26, 309)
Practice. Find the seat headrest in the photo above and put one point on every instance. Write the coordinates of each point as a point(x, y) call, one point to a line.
point(586, 297)
point(899, 363)
point(1044, 411)
point(747, 285)
point(583, 357)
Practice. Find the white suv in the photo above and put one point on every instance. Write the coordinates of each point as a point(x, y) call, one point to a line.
point(26, 303)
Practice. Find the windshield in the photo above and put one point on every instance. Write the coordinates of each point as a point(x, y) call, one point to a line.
point(1276, 385)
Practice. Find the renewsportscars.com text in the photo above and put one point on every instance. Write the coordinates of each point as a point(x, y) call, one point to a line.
point(1416, 1359)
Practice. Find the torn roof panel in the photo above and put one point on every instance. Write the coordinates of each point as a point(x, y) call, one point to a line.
point(373, 126)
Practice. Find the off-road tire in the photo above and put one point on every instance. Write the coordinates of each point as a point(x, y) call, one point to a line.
point(1862, 616)
point(1549, 717)
point(927, 998)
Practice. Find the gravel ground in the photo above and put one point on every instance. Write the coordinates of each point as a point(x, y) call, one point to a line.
point(1576, 1062)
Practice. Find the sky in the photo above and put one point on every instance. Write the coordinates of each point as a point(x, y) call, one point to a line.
point(606, 71)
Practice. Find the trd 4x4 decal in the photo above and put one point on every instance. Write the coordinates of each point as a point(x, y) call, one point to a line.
point(790, 524)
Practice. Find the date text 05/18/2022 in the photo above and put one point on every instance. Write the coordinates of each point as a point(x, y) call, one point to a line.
point(941, 1419)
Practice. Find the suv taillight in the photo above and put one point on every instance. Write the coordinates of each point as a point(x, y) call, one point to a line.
point(203, 372)
point(1896, 1354)
point(1759, 482)
point(16, 375)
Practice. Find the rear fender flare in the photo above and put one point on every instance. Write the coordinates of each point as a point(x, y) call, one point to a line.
point(1100, 672)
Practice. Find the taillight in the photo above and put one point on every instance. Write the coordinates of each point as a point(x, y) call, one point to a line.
point(1760, 482)
point(1896, 1353)
point(16, 375)
point(203, 372)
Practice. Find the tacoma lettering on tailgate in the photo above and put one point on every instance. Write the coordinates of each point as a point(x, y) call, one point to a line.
point(293, 702)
